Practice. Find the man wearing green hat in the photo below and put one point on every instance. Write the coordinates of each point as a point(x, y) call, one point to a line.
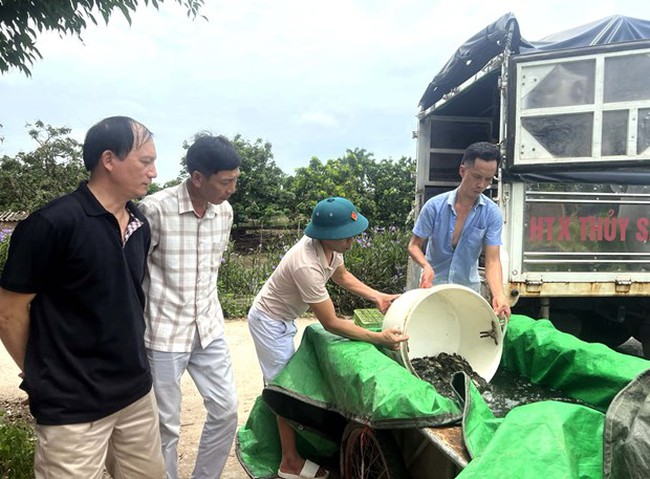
point(298, 284)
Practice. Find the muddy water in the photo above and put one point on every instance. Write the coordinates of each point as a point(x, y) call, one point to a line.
point(506, 391)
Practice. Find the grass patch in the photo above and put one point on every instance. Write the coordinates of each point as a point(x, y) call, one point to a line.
point(17, 440)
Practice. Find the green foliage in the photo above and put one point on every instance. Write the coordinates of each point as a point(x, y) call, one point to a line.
point(21, 21)
point(155, 187)
point(393, 192)
point(348, 177)
point(5, 237)
point(29, 180)
point(17, 444)
point(379, 259)
point(241, 276)
point(261, 192)
point(383, 191)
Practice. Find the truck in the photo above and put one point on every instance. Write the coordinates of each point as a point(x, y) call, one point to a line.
point(571, 114)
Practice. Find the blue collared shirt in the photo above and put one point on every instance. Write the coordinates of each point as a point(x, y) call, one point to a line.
point(436, 223)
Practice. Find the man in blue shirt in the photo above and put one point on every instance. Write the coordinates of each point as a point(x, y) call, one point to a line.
point(458, 225)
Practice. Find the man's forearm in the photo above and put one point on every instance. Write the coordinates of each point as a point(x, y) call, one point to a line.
point(500, 302)
point(417, 255)
point(494, 279)
point(15, 341)
point(353, 284)
point(14, 324)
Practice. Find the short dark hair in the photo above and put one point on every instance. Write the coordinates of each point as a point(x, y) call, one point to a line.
point(484, 150)
point(119, 134)
point(210, 154)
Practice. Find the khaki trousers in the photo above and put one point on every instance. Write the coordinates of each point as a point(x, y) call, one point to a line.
point(126, 442)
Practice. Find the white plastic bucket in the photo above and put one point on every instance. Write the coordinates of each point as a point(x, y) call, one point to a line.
point(447, 318)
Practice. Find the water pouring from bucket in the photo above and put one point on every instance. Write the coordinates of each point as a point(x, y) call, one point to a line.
point(447, 318)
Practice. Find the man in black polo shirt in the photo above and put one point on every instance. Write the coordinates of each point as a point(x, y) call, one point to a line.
point(71, 315)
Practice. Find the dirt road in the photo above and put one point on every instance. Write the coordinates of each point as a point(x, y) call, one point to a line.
point(247, 377)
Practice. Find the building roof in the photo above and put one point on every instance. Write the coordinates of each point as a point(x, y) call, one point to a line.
point(6, 216)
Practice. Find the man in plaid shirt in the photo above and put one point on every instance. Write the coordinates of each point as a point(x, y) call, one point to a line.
point(190, 227)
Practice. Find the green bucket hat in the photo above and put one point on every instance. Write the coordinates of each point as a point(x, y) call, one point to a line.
point(335, 218)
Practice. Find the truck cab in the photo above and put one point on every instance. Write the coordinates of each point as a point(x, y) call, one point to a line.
point(571, 114)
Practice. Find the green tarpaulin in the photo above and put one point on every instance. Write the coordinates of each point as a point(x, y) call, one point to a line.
point(332, 380)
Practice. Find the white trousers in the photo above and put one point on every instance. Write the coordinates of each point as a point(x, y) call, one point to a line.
point(212, 373)
point(273, 340)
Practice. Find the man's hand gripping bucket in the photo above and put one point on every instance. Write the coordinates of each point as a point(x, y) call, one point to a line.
point(447, 318)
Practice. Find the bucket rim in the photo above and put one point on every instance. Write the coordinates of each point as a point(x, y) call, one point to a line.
point(426, 293)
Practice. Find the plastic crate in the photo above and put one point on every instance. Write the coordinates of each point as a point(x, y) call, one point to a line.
point(368, 318)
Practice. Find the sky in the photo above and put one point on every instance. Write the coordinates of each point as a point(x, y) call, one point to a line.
point(313, 78)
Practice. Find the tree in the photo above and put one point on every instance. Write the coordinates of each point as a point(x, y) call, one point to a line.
point(347, 176)
point(22, 20)
point(261, 192)
point(309, 185)
point(29, 180)
point(393, 192)
point(383, 191)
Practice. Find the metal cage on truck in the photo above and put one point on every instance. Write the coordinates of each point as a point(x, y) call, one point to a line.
point(572, 116)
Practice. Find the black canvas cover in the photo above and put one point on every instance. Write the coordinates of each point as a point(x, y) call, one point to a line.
point(614, 176)
point(502, 36)
point(504, 33)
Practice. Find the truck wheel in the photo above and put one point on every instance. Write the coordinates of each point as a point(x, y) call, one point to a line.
point(370, 454)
